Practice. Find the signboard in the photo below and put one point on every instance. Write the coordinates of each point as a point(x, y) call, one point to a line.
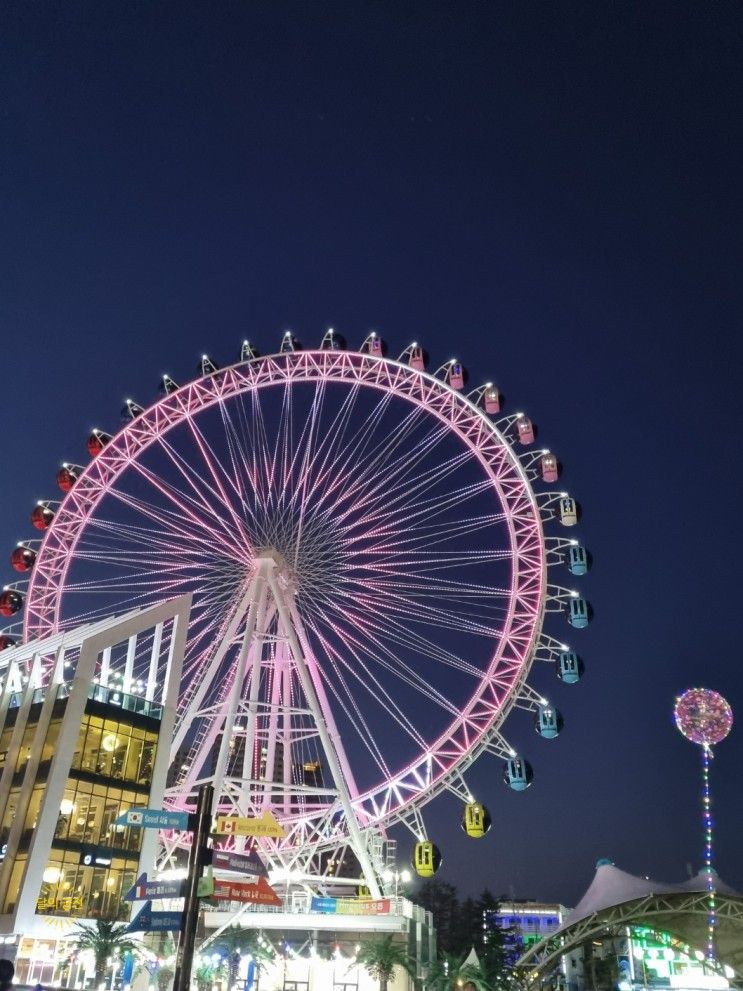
point(143, 889)
point(241, 863)
point(154, 819)
point(260, 893)
point(351, 906)
point(239, 826)
point(148, 921)
point(93, 856)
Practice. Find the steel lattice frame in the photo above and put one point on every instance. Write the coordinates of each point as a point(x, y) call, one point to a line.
point(503, 682)
point(655, 911)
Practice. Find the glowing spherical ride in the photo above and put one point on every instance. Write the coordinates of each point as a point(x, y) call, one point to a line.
point(365, 545)
point(704, 717)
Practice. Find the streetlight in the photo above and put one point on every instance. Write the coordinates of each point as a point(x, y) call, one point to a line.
point(396, 876)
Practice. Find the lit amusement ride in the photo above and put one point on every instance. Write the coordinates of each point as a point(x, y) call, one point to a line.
point(705, 718)
point(365, 544)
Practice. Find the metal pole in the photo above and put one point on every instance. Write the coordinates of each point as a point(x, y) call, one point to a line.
point(196, 862)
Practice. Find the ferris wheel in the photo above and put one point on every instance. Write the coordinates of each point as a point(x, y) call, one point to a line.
point(365, 545)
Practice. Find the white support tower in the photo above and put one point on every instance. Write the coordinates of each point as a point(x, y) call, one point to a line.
point(259, 727)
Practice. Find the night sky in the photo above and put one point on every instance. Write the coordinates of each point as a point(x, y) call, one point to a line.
point(550, 191)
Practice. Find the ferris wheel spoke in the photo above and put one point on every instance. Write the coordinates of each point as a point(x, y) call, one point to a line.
point(365, 635)
point(389, 580)
point(428, 535)
point(372, 479)
point(372, 687)
point(409, 514)
point(394, 495)
point(419, 613)
point(220, 477)
point(185, 470)
point(391, 600)
point(385, 660)
point(331, 460)
point(265, 467)
point(349, 704)
point(235, 435)
point(183, 503)
point(400, 634)
point(308, 456)
point(364, 461)
point(199, 532)
point(419, 562)
point(103, 534)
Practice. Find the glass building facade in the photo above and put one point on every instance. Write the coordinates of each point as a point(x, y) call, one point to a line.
point(92, 861)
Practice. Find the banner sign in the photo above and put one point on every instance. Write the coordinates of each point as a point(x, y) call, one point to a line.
point(144, 889)
point(148, 921)
point(267, 825)
point(260, 893)
point(351, 906)
point(154, 819)
point(241, 863)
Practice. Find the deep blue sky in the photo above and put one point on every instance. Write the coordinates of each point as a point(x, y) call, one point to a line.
point(553, 191)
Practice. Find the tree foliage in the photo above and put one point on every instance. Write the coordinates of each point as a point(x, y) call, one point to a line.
point(104, 939)
point(464, 925)
point(380, 955)
point(451, 973)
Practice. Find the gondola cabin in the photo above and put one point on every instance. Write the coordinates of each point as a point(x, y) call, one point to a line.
point(167, 385)
point(6, 642)
point(376, 346)
point(518, 773)
point(579, 560)
point(492, 400)
point(66, 477)
point(569, 667)
point(332, 342)
point(10, 602)
point(426, 858)
point(568, 511)
point(549, 722)
point(41, 517)
point(248, 352)
point(288, 343)
point(455, 375)
point(417, 358)
point(131, 410)
point(96, 442)
point(22, 558)
point(206, 366)
point(476, 820)
point(549, 468)
point(525, 430)
point(579, 613)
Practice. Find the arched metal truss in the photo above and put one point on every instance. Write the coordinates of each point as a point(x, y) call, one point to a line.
point(683, 915)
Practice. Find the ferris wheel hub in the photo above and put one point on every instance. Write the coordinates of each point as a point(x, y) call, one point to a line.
point(285, 573)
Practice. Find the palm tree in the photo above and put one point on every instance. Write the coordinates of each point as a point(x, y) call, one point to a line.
point(103, 939)
point(379, 957)
point(452, 973)
point(236, 943)
point(206, 974)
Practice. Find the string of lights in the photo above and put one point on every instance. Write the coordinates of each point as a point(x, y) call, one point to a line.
point(708, 852)
point(704, 717)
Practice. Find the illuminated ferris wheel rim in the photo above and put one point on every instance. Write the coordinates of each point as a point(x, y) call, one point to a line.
point(426, 775)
